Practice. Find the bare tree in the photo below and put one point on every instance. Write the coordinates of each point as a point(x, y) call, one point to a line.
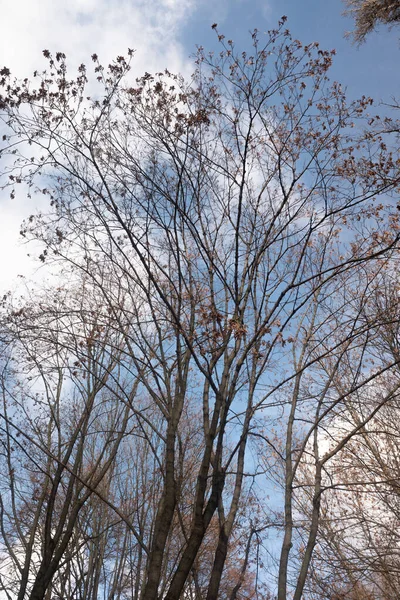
point(58, 447)
point(221, 227)
point(358, 547)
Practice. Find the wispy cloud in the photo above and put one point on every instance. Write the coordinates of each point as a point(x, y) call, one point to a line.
point(81, 27)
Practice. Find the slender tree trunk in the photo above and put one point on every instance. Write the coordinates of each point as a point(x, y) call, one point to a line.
point(163, 522)
point(288, 525)
point(312, 537)
point(218, 566)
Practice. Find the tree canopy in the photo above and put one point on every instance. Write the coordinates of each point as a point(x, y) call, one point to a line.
point(218, 249)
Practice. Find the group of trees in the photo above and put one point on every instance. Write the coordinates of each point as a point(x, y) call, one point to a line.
point(220, 318)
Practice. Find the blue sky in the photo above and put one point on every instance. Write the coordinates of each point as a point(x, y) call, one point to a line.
point(372, 69)
point(165, 34)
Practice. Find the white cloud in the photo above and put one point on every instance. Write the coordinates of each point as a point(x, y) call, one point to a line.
point(80, 28)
